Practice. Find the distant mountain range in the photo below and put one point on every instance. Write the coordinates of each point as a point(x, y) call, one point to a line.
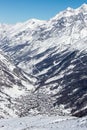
point(47, 72)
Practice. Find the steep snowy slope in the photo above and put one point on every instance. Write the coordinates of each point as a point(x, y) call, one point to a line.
point(55, 52)
point(14, 83)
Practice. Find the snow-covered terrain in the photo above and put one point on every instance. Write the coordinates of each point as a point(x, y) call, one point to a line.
point(43, 122)
point(13, 84)
point(52, 57)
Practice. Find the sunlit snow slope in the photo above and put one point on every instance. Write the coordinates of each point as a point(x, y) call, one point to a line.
point(44, 123)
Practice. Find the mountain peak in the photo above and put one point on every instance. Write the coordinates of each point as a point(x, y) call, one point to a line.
point(84, 7)
point(69, 9)
point(66, 13)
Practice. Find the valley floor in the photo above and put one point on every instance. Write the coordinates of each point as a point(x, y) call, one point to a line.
point(42, 122)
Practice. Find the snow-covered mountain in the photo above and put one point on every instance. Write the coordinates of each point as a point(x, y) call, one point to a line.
point(14, 83)
point(55, 52)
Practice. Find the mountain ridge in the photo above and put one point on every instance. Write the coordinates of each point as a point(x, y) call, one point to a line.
point(55, 53)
